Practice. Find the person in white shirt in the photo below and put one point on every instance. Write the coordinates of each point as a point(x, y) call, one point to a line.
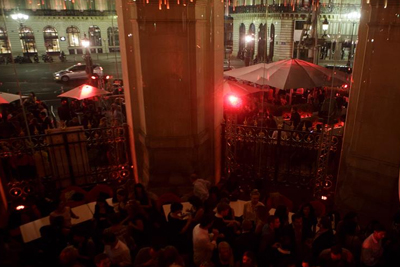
point(249, 208)
point(203, 242)
point(116, 250)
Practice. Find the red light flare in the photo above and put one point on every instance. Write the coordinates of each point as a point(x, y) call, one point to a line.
point(234, 101)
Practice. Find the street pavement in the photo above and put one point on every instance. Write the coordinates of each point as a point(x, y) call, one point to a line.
point(38, 77)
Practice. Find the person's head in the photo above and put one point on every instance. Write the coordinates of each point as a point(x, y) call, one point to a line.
point(69, 256)
point(139, 189)
point(282, 213)
point(110, 239)
point(336, 253)
point(223, 209)
point(379, 232)
point(248, 258)
point(121, 195)
point(254, 196)
point(75, 120)
point(207, 221)
point(102, 260)
point(273, 222)
point(170, 256)
point(307, 210)
point(224, 251)
point(247, 225)
point(78, 234)
point(176, 207)
point(42, 115)
point(297, 220)
point(325, 223)
point(294, 109)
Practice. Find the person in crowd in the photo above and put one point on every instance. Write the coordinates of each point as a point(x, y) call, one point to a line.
point(141, 196)
point(347, 234)
point(203, 243)
point(65, 212)
point(262, 218)
point(45, 122)
point(102, 260)
point(64, 111)
point(307, 213)
point(372, 248)
point(73, 122)
point(197, 209)
point(213, 199)
point(102, 210)
point(122, 202)
point(200, 187)
point(246, 241)
point(336, 256)
point(295, 117)
point(169, 257)
point(269, 245)
point(69, 257)
point(225, 229)
point(324, 238)
point(282, 213)
point(178, 226)
point(248, 259)
point(295, 232)
point(116, 250)
point(139, 222)
point(146, 257)
point(249, 208)
point(224, 258)
point(122, 232)
point(392, 249)
point(84, 245)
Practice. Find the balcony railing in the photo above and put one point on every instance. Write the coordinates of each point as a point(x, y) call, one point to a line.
point(278, 157)
point(67, 157)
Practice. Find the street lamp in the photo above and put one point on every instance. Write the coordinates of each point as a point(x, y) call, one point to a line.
point(325, 26)
point(21, 18)
point(353, 17)
point(88, 59)
point(248, 52)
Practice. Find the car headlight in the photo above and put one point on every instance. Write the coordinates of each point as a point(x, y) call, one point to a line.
point(57, 74)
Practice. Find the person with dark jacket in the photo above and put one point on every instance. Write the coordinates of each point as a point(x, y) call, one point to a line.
point(324, 238)
point(64, 111)
point(246, 241)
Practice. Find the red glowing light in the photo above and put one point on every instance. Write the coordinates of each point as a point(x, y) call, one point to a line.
point(20, 207)
point(324, 197)
point(108, 77)
point(234, 101)
point(345, 86)
point(93, 77)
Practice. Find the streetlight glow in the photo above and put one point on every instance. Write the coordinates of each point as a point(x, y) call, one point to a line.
point(19, 17)
point(354, 15)
point(85, 43)
point(325, 25)
point(249, 38)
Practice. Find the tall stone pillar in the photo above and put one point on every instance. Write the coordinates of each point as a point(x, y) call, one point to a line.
point(172, 62)
point(369, 169)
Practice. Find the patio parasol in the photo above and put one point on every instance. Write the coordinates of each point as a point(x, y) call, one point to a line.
point(231, 87)
point(288, 74)
point(84, 91)
point(6, 98)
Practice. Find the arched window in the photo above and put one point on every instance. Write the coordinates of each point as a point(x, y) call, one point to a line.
point(113, 36)
point(242, 41)
point(94, 36)
point(73, 34)
point(261, 42)
point(4, 43)
point(251, 45)
point(27, 40)
point(51, 39)
point(271, 43)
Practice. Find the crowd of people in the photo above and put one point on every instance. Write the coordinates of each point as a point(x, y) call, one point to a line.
point(89, 113)
point(134, 232)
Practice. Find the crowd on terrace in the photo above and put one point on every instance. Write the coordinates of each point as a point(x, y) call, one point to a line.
point(272, 232)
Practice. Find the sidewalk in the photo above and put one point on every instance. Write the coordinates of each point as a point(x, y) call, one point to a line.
point(105, 57)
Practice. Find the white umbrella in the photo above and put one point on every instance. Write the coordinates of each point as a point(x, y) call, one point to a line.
point(288, 74)
point(84, 91)
point(231, 87)
point(6, 98)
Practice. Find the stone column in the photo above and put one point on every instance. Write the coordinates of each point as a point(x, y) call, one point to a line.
point(172, 68)
point(369, 169)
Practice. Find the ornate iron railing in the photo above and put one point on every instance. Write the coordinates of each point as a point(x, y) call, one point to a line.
point(285, 157)
point(63, 158)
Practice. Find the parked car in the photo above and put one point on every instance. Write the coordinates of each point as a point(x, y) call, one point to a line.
point(77, 71)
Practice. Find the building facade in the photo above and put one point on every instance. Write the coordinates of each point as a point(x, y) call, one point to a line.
point(53, 26)
point(273, 30)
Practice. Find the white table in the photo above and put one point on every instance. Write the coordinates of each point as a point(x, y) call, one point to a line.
point(31, 231)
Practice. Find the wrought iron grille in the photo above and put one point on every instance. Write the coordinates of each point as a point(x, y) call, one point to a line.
point(58, 160)
point(277, 156)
